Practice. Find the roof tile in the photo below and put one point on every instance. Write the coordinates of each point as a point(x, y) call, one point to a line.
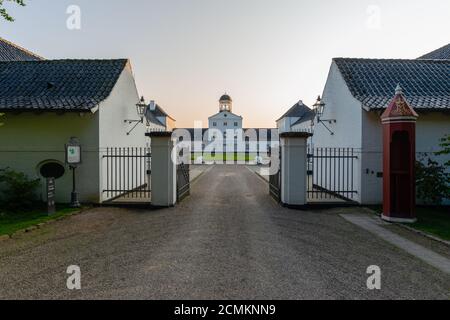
point(426, 83)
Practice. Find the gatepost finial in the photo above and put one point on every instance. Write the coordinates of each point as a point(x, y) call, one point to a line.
point(399, 89)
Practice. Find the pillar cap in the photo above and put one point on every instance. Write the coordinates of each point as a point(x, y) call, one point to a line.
point(296, 135)
point(156, 134)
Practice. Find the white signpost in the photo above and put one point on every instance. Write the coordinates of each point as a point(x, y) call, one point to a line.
point(73, 155)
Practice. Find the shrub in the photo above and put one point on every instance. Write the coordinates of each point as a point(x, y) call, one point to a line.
point(433, 182)
point(445, 144)
point(17, 191)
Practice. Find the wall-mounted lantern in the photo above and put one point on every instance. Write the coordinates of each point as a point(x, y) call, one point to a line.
point(319, 109)
point(141, 108)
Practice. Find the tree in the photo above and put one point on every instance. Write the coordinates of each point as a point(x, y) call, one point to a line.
point(4, 13)
point(1, 115)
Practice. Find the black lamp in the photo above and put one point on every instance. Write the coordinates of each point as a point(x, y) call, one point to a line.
point(141, 108)
point(319, 109)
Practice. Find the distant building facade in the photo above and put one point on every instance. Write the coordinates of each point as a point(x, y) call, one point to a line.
point(298, 118)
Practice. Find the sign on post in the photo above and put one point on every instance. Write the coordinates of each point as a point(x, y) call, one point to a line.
point(73, 152)
point(51, 190)
point(73, 159)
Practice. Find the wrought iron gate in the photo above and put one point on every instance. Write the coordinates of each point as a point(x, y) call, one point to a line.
point(183, 181)
point(331, 174)
point(127, 174)
point(275, 183)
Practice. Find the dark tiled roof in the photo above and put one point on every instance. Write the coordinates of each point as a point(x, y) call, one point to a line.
point(426, 83)
point(159, 112)
point(57, 85)
point(152, 118)
point(440, 54)
point(299, 110)
point(311, 115)
point(12, 52)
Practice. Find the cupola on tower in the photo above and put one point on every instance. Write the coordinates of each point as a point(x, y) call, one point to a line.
point(226, 103)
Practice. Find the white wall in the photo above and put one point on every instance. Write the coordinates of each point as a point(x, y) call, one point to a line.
point(285, 124)
point(347, 111)
point(225, 117)
point(27, 139)
point(120, 105)
point(303, 126)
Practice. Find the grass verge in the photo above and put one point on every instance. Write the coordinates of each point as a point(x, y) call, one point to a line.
point(432, 220)
point(13, 222)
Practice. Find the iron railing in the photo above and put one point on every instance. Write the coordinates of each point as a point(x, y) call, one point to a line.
point(331, 173)
point(127, 173)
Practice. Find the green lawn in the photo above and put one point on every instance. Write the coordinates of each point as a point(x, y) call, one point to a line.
point(432, 220)
point(229, 157)
point(13, 222)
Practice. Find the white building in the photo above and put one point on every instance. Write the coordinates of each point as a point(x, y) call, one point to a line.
point(158, 119)
point(225, 122)
point(298, 118)
point(358, 91)
point(47, 102)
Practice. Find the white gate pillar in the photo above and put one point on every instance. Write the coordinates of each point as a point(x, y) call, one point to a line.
point(294, 164)
point(163, 175)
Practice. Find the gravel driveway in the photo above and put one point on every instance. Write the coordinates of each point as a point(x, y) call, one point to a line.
point(229, 240)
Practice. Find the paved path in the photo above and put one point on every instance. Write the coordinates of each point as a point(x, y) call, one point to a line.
point(229, 240)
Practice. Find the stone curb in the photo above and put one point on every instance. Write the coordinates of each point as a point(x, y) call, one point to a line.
point(419, 232)
point(41, 225)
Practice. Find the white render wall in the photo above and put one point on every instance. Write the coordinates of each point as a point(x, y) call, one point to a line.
point(27, 139)
point(120, 105)
point(347, 111)
point(225, 117)
point(285, 124)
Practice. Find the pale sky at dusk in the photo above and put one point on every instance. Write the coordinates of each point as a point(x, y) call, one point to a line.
point(266, 54)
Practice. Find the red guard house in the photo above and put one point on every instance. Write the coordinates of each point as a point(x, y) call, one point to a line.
point(399, 157)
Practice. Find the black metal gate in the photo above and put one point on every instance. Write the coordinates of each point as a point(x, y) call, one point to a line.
point(275, 183)
point(183, 181)
point(331, 174)
point(127, 174)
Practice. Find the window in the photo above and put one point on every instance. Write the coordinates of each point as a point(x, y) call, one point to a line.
point(214, 124)
point(236, 124)
point(52, 169)
point(225, 124)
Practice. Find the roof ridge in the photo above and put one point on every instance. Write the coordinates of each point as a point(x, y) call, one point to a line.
point(66, 60)
point(21, 48)
point(437, 54)
point(393, 59)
